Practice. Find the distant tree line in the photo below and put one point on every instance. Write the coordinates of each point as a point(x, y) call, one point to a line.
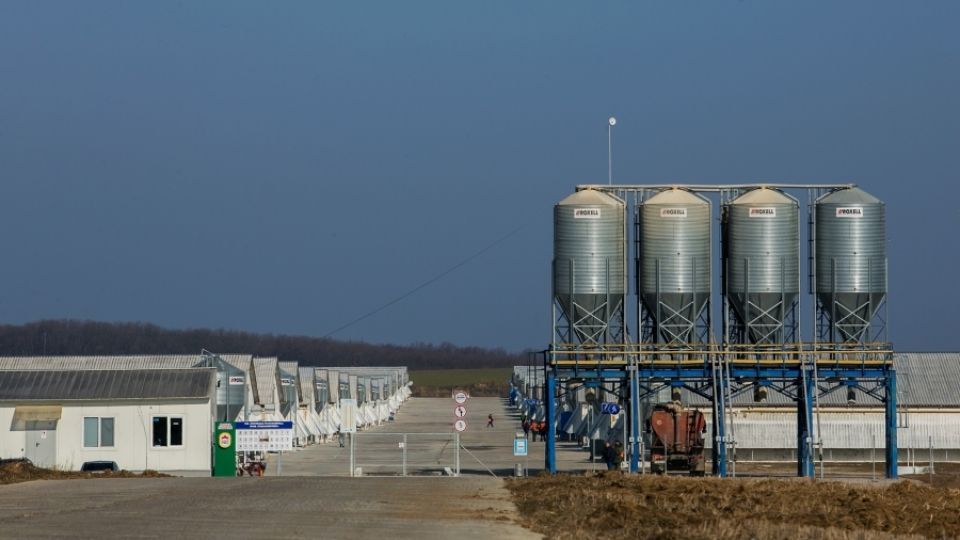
point(86, 338)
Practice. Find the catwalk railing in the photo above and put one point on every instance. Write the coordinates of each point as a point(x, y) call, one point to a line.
point(794, 355)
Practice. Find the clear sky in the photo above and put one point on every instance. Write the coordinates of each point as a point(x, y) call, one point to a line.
point(289, 166)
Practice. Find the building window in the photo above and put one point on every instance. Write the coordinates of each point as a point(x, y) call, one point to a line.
point(106, 432)
point(97, 432)
point(167, 431)
point(176, 431)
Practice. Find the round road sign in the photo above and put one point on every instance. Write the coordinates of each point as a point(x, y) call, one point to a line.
point(460, 425)
point(460, 411)
point(460, 396)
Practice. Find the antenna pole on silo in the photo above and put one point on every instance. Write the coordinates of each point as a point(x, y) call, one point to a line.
point(610, 123)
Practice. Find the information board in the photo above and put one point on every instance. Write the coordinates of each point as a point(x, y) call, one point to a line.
point(519, 447)
point(348, 415)
point(264, 436)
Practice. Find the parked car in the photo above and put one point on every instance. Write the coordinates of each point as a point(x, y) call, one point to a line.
point(99, 466)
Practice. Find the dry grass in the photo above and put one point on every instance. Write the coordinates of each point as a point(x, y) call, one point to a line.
point(612, 505)
point(21, 471)
point(946, 475)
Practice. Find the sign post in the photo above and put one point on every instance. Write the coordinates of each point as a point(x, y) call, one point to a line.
point(519, 450)
point(348, 424)
point(460, 425)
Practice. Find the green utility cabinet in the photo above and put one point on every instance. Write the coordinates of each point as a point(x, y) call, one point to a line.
point(224, 449)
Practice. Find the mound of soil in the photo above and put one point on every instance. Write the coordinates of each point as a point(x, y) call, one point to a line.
point(612, 505)
point(12, 472)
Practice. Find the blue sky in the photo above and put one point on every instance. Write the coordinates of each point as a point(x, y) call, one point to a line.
point(288, 166)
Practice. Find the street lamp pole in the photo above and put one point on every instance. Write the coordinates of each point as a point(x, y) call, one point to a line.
point(610, 123)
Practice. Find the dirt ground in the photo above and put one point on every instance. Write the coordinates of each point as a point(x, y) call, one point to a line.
point(945, 475)
point(611, 505)
point(23, 471)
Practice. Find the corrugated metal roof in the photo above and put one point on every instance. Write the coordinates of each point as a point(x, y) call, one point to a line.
point(89, 384)
point(158, 361)
point(923, 380)
point(676, 196)
point(307, 385)
point(928, 379)
point(265, 371)
point(288, 369)
point(239, 361)
point(763, 196)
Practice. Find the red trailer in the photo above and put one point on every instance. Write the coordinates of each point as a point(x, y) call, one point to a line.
point(676, 436)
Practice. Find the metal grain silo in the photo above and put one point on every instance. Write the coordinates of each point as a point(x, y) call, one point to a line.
point(589, 264)
point(231, 389)
point(762, 265)
point(674, 263)
point(851, 261)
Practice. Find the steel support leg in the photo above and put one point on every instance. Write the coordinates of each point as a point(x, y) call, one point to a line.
point(891, 423)
point(719, 433)
point(635, 420)
point(805, 427)
point(550, 454)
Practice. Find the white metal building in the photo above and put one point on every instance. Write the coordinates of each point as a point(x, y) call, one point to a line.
point(156, 419)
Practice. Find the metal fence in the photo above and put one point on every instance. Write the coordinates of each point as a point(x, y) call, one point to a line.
point(405, 454)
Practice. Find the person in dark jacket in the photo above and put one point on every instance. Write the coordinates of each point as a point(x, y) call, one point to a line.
point(608, 455)
point(617, 455)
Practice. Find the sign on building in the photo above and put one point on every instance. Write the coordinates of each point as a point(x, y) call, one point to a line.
point(264, 436)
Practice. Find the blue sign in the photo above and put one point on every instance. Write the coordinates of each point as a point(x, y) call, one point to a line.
point(264, 425)
point(519, 447)
point(609, 408)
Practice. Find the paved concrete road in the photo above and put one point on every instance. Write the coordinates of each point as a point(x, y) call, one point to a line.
point(486, 451)
point(238, 508)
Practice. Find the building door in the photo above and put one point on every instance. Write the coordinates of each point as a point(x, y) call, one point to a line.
point(41, 447)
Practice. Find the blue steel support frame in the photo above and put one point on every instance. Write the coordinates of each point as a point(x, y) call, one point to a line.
point(890, 391)
point(550, 454)
point(807, 387)
point(719, 453)
point(635, 420)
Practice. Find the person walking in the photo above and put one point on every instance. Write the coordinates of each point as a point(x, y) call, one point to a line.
point(526, 428)
point(490, 420)
point(617, 455)
point(607, 455)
